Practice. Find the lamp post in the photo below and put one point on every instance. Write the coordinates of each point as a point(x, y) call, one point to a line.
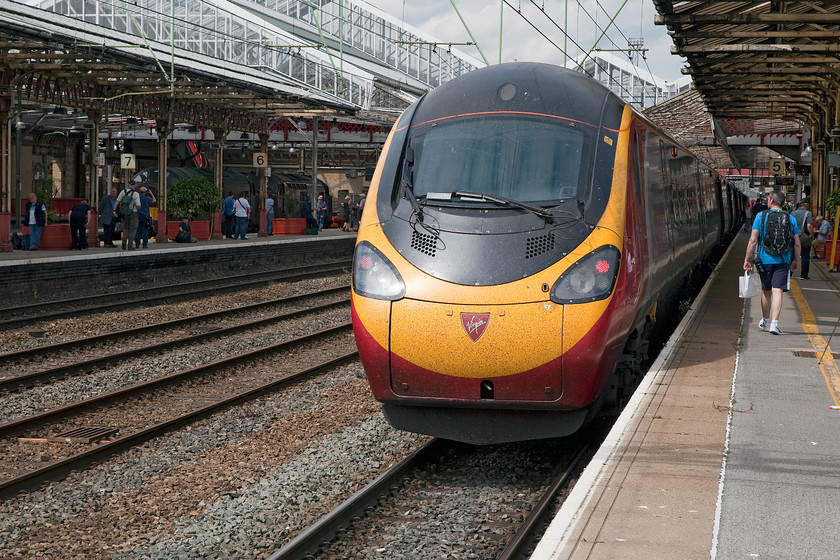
point(19, 126)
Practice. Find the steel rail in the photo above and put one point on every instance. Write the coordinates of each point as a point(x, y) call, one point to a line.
point(310, 539)
point(523, 536)
point(17, 426)
point(86, 366)
point(59, 469)
point(150, 296)
point(9, 357)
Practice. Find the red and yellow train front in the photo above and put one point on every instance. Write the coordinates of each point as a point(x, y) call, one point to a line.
point(481, 319)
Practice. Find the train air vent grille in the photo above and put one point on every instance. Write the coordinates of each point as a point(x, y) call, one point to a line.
point(424, 243)
point(536, 246)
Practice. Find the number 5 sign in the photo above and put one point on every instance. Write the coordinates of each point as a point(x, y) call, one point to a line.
point(778, 166)
point(260, 159)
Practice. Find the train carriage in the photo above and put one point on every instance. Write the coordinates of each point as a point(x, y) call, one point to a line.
point(525, 230)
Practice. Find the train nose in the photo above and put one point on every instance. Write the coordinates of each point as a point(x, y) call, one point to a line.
point(466, 352)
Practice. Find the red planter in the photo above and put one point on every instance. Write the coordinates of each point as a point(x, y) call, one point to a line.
point(200, 229)
point(289, 226)
point(54, 237)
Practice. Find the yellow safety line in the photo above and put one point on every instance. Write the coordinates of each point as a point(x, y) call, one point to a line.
point(828, 366)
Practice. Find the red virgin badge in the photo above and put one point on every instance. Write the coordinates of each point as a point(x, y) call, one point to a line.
point(475, 324)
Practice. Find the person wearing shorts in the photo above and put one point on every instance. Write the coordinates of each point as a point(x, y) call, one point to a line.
point(774, 270)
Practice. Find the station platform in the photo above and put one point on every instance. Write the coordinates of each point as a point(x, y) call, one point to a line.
point(51, 275)
point(102, 251)
point(729, 449)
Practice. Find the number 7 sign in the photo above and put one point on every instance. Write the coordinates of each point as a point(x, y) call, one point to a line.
point(127, 161)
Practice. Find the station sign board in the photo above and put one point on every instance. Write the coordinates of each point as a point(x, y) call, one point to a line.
point(777, 166)
point(128, 161)
point(260, 159)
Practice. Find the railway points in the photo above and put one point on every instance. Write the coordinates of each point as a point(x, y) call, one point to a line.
point(728, 448)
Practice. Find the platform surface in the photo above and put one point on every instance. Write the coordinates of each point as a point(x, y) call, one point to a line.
point(19, 256)
point(729, 449)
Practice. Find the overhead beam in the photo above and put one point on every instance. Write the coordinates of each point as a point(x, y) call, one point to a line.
point(748, 19)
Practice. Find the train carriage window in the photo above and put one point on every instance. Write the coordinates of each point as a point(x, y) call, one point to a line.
point(534, 161)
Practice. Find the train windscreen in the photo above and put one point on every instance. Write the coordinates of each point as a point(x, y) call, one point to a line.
point(540, 161)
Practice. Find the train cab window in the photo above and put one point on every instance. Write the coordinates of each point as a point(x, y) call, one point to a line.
point(539, 161)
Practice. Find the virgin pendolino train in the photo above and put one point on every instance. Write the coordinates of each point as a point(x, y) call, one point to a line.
point(525, 232)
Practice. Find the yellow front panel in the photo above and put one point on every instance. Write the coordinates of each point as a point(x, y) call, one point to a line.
point(516, 338)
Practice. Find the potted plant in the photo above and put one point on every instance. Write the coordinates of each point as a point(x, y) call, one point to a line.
point(195, 198)
point(292, 224)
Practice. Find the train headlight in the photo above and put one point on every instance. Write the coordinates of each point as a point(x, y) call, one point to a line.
point(374, 276)
point(590, 279)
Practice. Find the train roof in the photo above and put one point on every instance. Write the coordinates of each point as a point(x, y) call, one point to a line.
point(524, 87)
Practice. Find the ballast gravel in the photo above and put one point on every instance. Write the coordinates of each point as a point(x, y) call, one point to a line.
point(237, 485)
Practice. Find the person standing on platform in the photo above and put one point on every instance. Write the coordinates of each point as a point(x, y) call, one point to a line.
point(242, 208)
point(144, 218)
point(128, 216)
point(320, 211)
point(775, 243)
point(347, 207)
point(229, 216)
point(107, 217)
point(79, 218)
point(823, 228)
point(37, 221)
point(759, 206)
point(269, 215)
point(805, 222)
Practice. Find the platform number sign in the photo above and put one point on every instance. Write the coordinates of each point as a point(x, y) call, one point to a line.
point(260, 159)
point(778, 166)
point(128, 161)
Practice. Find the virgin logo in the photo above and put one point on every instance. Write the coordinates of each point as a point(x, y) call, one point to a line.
point(475, 324)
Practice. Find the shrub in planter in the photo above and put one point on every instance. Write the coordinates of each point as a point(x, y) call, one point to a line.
point(291, 205)
point(195, 198)
point(832, 200)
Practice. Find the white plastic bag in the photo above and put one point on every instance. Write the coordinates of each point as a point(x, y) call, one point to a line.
point(746, 286)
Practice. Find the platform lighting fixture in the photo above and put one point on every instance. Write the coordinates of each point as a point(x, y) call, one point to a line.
point(334, 129)
point(806, 152)
point(292, 150)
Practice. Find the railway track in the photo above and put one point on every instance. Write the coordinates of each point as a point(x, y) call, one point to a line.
point(391, 486)
point(222, 384)
point(16, 382)
point(23, 315)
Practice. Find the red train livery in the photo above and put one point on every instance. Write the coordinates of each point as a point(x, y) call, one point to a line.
point(526, 232)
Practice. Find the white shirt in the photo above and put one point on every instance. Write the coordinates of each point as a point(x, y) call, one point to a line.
point(240, 209)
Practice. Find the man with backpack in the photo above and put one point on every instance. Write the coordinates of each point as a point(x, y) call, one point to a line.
point(774, 243)
point(128, 202)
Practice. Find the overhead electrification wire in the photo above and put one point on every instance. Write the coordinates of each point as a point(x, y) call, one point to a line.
point(580, 6)
point(628, 42)
point(558, 47)
point(603, 32)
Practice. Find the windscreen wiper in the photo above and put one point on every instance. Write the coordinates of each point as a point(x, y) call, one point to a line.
point(547, 216)
point(406, 182)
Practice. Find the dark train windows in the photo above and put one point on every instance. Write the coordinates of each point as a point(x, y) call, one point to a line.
point(538, 161)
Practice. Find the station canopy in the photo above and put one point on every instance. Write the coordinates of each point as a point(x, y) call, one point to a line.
point(754, 62)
